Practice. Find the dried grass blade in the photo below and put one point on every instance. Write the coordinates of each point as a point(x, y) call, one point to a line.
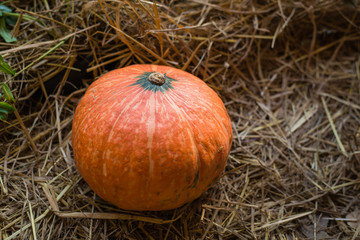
point(13, 236)
point(39, 44)
point(32, 221)
point(192, 55)
point(356, 233)
point(3, 187)
point(341, 146)
point(41, 57)
point(158, 26)
point(50, 198)
point(113, 216)
point(108, 62)
point(307, 115)
point(26, 132)
point(141, 45)
point(281, 221)
point(350, 104)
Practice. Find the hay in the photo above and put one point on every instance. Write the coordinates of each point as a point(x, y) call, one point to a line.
point(288, 72)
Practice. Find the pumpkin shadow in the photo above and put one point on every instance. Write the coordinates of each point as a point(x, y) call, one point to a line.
point(168, 224)
point(175, 223)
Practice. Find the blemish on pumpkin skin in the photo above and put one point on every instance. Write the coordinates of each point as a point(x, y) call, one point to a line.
point(177, 196)
point(94, 96)
point(220, 148)
point(188, 179)
point(104, 169)
point(196, 179)
point(218, 166)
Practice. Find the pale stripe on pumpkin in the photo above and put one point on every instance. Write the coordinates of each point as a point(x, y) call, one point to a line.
point(181, 114)
point(124, 110)
point(209, 109)
point(151, 130)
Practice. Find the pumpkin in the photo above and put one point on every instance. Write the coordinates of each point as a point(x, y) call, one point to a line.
point(148, 137)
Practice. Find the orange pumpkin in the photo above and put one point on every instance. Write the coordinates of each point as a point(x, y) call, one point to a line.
point(148, 137)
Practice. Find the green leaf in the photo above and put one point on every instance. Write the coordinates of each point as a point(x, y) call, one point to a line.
point(7, 93)
point(3, 9)
point(5, 33)
point(3, 116)
point(10, 20)
point(5, 67)
point(6, 108)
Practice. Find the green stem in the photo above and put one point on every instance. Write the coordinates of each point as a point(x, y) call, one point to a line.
point(41, 57)
point(24, 16)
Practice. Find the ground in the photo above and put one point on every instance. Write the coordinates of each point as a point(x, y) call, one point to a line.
point(287, 71)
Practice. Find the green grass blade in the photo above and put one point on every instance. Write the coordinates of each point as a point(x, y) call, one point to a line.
point(6, 108)
point(5, 67)
point(7, 93)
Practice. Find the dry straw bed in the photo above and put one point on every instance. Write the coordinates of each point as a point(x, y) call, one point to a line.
point(288, 72)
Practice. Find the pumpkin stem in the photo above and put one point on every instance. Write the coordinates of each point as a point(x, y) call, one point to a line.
point(157, 78)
